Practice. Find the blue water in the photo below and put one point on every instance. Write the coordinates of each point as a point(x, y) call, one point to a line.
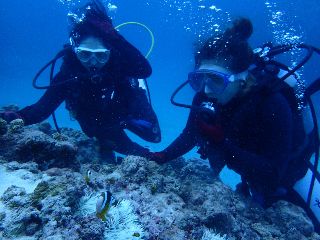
point(32, 31)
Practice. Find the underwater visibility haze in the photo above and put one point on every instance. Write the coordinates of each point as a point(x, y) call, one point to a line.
point(53, 186)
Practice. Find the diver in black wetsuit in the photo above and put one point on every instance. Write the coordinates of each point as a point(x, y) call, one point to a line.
point(99, 81)
point(238, 119)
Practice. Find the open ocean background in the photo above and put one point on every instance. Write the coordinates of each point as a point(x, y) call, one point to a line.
point(33, 31)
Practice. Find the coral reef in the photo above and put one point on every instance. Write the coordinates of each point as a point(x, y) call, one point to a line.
point(3, 127)
point(16, 126)
point(44, 195)
point(12, 107)
point(30, 144)
point(123, 223)
point(211, 235)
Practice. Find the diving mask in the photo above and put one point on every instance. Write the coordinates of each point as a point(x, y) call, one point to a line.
point(215, 80)
point(86, 54)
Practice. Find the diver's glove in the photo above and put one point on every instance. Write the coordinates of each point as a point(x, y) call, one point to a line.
point(212, 132)
point(158, 157)
point(9, 116)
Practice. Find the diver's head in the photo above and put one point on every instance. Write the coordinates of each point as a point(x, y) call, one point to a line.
point(218, 82)
point(89, 34)
point(92, 53)
point(222, 63)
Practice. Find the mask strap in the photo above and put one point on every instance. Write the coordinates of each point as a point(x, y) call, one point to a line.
point(239, 76)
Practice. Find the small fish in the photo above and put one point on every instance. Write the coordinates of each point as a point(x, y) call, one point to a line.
point(104, 203)
point(136, 234)
point(87, 177)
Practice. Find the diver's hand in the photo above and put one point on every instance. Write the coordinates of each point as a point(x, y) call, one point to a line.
point(213, 132)
point(158, 157)
point(9, 116)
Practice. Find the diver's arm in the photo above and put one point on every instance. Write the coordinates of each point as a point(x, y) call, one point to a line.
point(181, 145)
point(271, 164)
point(142, 119)
point(41, 110)
point(188, 138)
point(128, 58)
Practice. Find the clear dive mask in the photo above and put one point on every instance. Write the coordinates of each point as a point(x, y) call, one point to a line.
point(216, 81)
point(86, 54)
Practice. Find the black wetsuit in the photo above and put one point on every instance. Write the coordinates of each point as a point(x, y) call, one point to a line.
point(104, 104)
point(259, 132)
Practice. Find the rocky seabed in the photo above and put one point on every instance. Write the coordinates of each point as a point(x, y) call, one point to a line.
point(45, 196)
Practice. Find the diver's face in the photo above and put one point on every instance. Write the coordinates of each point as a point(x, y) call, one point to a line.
point(220, 88)
point(92, 53)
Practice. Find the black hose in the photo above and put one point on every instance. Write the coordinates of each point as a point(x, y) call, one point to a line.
point(34, 81)
point(34, 84)
point(176, 92)
point(52, 63)
point(317, 50)
point(51, 81)
point(301, 64)
point(277, 50)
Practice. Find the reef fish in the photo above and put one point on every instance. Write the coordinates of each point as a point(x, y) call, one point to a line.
point(104, 203)
point(87, 177)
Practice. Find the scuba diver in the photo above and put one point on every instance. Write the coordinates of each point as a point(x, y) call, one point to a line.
point(245, 115)
point(100, 81)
